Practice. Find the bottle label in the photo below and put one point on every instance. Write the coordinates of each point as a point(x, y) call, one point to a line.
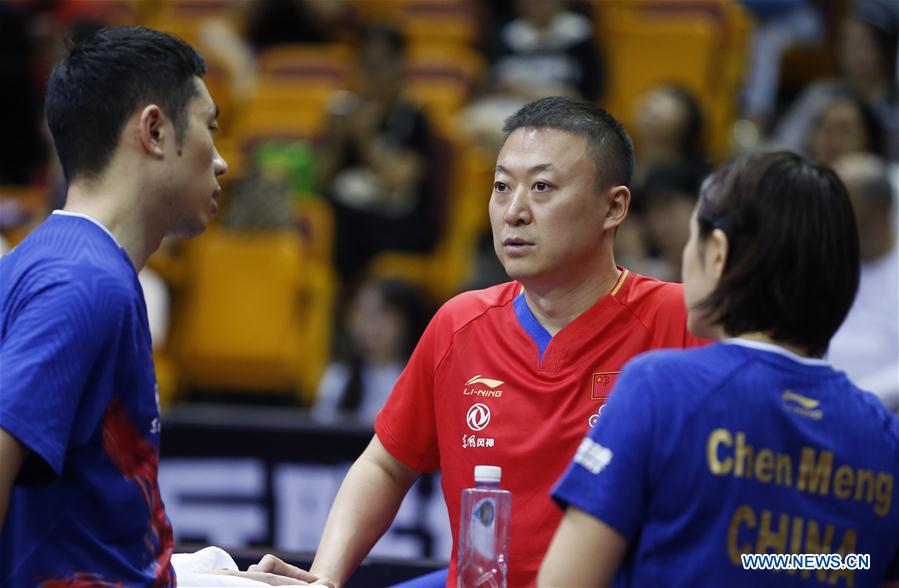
point(483, 527)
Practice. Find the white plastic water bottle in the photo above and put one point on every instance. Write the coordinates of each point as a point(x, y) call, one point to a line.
point(484, 531)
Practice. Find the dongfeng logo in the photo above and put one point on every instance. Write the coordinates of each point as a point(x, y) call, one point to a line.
point(478, 416)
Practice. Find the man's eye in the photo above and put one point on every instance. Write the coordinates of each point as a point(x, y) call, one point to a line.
point(541, 186)
point(499, 187)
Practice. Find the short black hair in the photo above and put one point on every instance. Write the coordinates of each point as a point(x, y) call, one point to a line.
point(792, 266)
point(607, 140)
point(103, 79)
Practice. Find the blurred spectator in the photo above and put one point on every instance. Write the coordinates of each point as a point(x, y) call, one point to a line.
point(668, 197)
point(669, 128)
point(275, 22)
point(867, 344)
point(373, 160)
point(386, 320)
point(867, 60)
point(547, 50)
point(22, 151)
point(779, 24)
point(845, 124)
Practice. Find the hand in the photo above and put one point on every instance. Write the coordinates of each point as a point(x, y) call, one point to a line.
point(265, 578)
point(365, 121)
point(272, 565)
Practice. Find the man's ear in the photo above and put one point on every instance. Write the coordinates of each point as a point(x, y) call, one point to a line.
point(152, 131)
point(716, 251)
point(619, 201)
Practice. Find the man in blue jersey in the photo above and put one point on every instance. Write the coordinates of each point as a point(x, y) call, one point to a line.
point(133, 125)
point(703, 460)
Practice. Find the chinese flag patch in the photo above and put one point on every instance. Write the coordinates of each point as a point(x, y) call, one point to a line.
point(602, 384)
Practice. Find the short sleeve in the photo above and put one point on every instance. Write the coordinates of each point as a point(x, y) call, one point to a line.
point(609, 475)
point(407, 425)
point(52, 340)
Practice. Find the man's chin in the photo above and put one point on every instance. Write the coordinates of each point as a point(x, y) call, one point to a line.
point(518, 271)
point(188, 232)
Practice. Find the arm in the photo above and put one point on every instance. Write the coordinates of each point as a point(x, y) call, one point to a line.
point(12, 456)
point(584, 552)
point(365, 506)
point(398, 166)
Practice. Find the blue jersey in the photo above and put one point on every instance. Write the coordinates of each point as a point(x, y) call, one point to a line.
point(77, 387)
point(701, 456)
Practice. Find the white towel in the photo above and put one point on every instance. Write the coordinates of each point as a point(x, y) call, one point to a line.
point(192, 569)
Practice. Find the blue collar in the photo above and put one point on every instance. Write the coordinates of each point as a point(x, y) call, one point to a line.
point(531, 325)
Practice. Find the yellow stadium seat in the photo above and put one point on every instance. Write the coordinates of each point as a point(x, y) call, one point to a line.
point(297, 121)
point(699, 44)
point(26, 207)
point(315, 221)
point(442, 77)
point(426, 20)
point(257, 314)
point(322, 64)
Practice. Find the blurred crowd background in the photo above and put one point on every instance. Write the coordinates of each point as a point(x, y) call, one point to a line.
point(361, 137)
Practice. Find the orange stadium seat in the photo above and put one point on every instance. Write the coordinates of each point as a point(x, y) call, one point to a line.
point(315, 221)
point(187, 18)
point(700, 44)
point(425, 20)
point(442, 77)
point(25, 207)
point(256, 316)
point(296, 83)
point(323, 64)
point(258, 123)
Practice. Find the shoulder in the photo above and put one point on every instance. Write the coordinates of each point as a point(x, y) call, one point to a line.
point(876, 417)
point(649, 299)
point(681, 371)
point(65, 262)
point(475, 304)
point(643, 290)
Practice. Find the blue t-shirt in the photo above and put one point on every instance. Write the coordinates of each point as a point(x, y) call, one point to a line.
point(700, 456)
point(77, 387)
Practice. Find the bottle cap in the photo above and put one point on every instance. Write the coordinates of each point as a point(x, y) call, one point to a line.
point(485, 473)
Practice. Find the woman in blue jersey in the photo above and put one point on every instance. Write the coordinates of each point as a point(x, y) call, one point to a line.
point(705, 460)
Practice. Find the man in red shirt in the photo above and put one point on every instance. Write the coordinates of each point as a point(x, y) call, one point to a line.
point(514, 375)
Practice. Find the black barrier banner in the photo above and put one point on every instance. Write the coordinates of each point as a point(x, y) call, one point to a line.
point(241, 477)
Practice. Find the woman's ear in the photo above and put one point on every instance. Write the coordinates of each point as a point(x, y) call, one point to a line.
point(716, 251)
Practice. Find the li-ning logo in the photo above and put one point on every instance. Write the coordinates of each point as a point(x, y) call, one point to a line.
point(478, 416)
point(472, 387)
point(801, 405)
